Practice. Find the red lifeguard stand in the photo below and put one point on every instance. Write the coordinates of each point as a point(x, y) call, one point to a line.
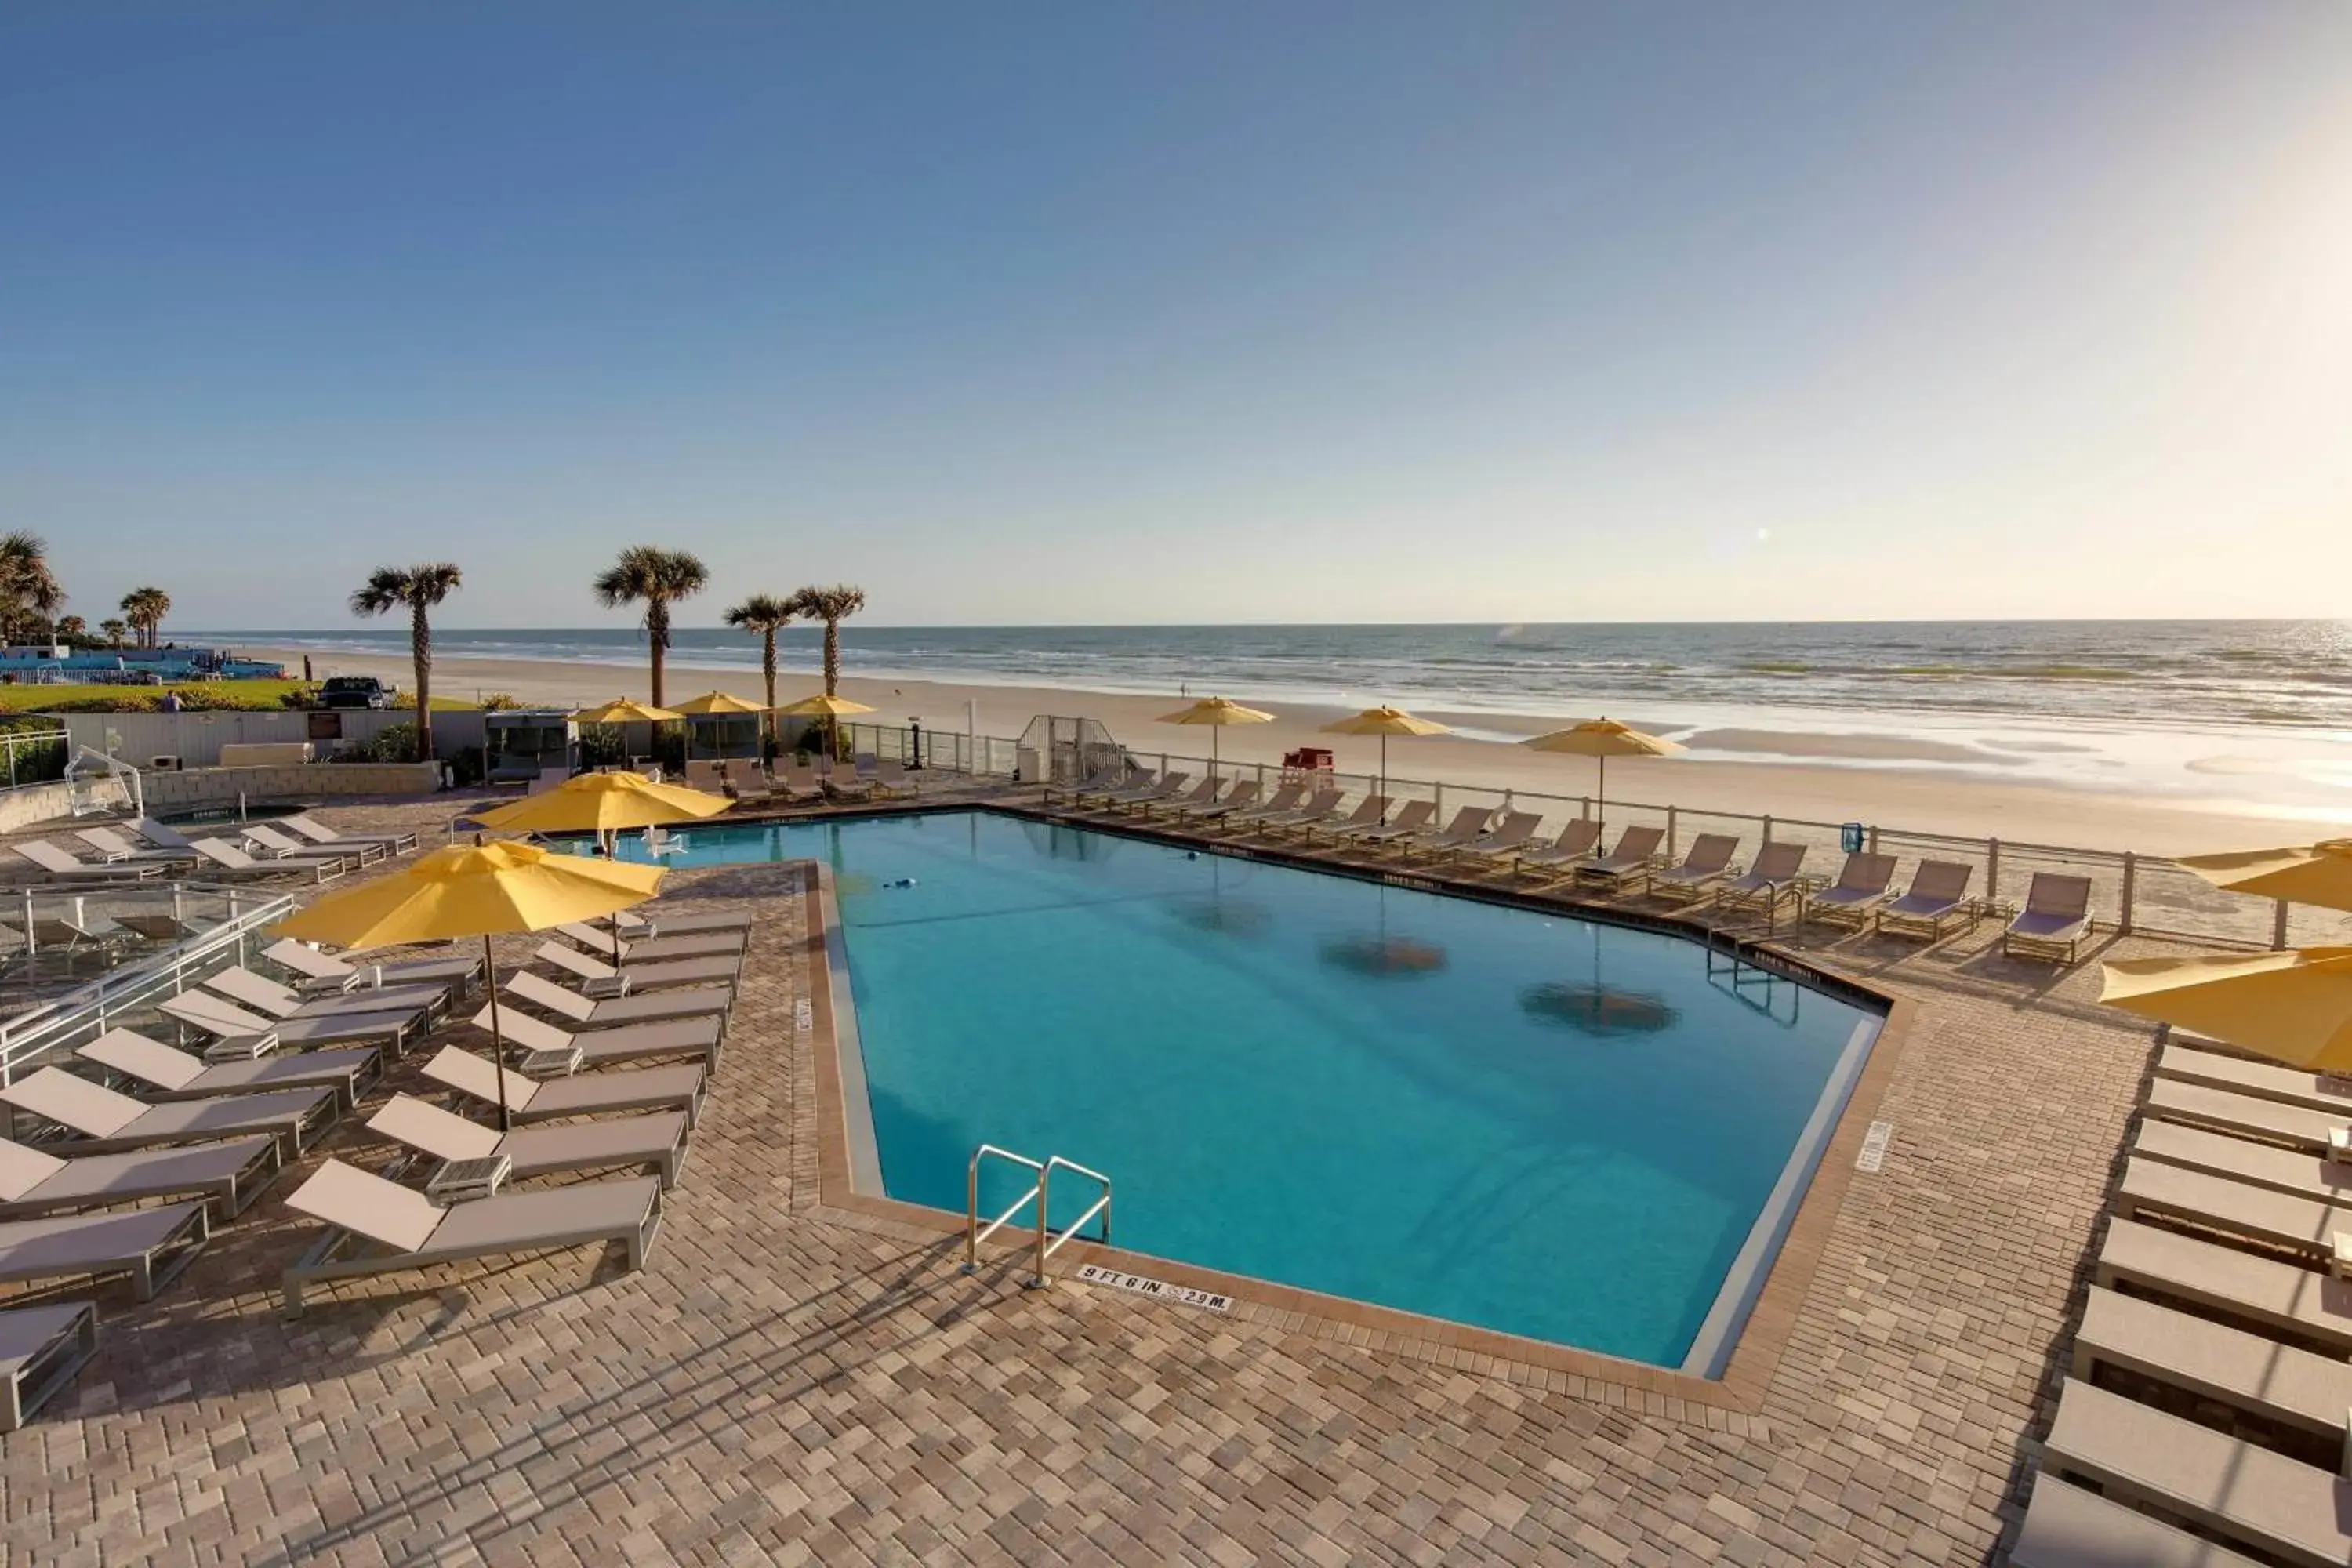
point(1306, 765)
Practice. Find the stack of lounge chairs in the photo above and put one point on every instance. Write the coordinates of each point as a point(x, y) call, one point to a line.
point(299, 847)
point(2209, 1382)
point(120, 1158)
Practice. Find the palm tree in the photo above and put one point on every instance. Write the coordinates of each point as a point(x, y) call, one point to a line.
point(419, 588)
point(28, 589)
point(145, 608)
point(766, 615)
point(832, 605)
point(114, 630)
point(657, 578)
point(73, 629)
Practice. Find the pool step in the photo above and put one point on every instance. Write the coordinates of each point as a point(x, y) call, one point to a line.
point(1039, 1194)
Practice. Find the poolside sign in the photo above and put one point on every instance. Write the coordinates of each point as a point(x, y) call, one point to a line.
point(1182, 1295)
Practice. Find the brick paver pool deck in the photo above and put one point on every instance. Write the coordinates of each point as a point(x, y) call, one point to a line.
point(782, 1385)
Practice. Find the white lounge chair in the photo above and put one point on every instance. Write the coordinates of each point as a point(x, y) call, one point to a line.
point(604, 1013)
point(417, 1232)
point(216, 1015)
point(1705, 863)
point(1770, 881)
point(165, 1072)
point(1512, 832)
point(1862, 886)
point(599, 979)
point(267, 843)
point(103, 1121)
point(585, 1094)
point(231, 1173)
point(149, 1247)
point(322, 970)
point(42, 1348)
point(228, 860)
point(1938, 899)
point(657, 1141)
point(2055, 920)
point(112, 847)
point(632, 951)
point(1371, 812)
point(1573, 847)
point(396, 841)
point(54, 860)
point(1630, 861)
point(1320, 807)
point(1412, 817)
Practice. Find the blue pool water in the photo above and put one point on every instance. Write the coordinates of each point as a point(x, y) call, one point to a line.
point(1534, 1124)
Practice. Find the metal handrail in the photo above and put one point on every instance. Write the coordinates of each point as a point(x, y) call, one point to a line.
point(975, 1233)
point(48, 1027)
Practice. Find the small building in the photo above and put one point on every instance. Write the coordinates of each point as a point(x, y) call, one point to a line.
point(523, 743)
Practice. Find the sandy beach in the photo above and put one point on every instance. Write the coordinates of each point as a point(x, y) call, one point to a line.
point(1867, 783)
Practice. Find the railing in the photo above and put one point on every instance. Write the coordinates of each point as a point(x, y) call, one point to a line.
point(1040, 1193)
point(91, 1009)
point(944, 751)
point(2132, 892)
point(36, 756)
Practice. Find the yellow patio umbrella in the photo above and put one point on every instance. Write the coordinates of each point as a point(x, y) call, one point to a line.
point(2317, 873)
point(1601, 738)
point(624, 711)
point(468, 890)
point(1217, 712)
point(604, 802)
point(718, 703)
point(831, 708)
point(1384, 721)
point(2293, 1006)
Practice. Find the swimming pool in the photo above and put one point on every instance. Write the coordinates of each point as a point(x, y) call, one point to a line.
point(1545, 1126)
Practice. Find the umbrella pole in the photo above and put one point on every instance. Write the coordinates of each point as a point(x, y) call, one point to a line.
point(498, 1042)
point(1384, 769)
point(1602, 763)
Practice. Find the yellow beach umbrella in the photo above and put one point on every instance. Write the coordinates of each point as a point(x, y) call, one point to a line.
point(624, 711)
point(1217, 712)
point(2317, 873)
point(831, 708)
point(1384, 721)
point(1601, 738)
point(469, 891)
point(2293, 1006)
point(718, 703)
point(604, 802)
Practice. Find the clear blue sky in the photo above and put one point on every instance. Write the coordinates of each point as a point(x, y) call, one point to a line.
point(1098, 313)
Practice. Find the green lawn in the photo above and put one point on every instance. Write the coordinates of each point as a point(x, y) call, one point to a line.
point(268, 696)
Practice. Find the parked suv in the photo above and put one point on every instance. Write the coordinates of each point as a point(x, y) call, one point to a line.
point(354, 691)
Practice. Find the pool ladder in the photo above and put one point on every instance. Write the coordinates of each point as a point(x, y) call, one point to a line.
point(1040, 1193)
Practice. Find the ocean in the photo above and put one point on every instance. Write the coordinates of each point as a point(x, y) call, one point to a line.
point(2235, 674)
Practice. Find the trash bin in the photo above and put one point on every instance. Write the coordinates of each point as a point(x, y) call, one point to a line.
point(1852, 837)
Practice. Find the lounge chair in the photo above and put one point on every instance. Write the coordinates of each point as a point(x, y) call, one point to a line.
point(323, 971)
point(2278, 1220)
point(2303, 1302)
point(856, 785)
point(218, 1016)
point(657, 1142)
point(148, 1246)
point(1509, 835)
point(1103, 781)
point(2055, 920)
point(1282, 802)
point(630, 951)
point(417, 1232)
point(1243, 794)
point(162, 834)
point(1369, 812)
point(1202, 793)
point(41, 1349)
point(103, 1121)
point(891, 778)
point(165, 1072)
point(2243, 1115)
point(599, 979)
point(651, 1006)
point(77, 931)
point(2240, 1492)
point(1469, 823)
point(156, 925)
point(267, 843)
point(585, 1094)
point(1574, 845)
point(228, 860)
point(1630, 861)
point(2263, 1081)
point(266, 997)
point(676, 921)
point(2261, 1376)
point(1707, 862)
point(1138, 783)
point(800, 785)
point(2067, 1526)
point(1770, 880)
point(706, 775)
point(1938, 899)
point(231, 1173)
point(1412, 817)
point(2300, 1171)
point(1170, 786)
point(1863, 884)
point(397, 841)
point(112, 847)
point(56, 860)
point(1318, 807)
point(570, 1050)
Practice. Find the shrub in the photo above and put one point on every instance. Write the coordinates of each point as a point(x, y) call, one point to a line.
point(500, 703)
